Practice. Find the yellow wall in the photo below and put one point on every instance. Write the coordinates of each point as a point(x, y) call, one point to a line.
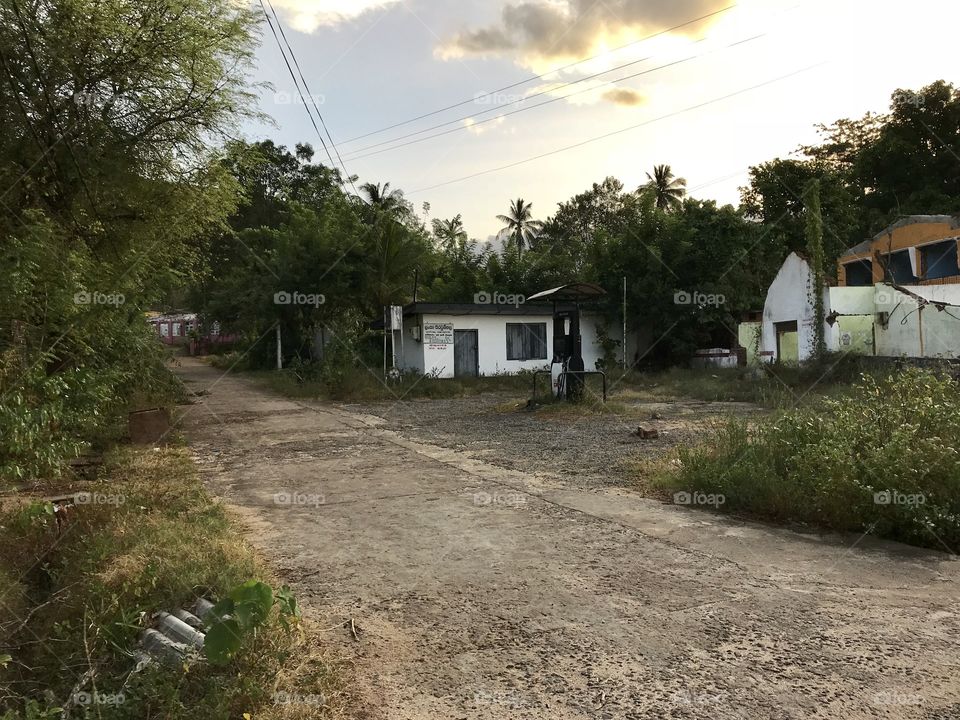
point(860, 328)
point(789, 348)
point(748, 334)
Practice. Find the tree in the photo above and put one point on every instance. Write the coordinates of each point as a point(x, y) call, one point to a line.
point(387, 201)
point(520, 225)
point(811, 201)
point(450, 233)
point(774, 198)
point(668, 190)
point(108, 110)
point(911, 165)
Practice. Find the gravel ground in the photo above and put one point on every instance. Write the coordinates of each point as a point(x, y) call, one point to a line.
point(589, 449)
point(455, 589)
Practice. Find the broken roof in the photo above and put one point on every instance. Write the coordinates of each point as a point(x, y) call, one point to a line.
point(952, 220)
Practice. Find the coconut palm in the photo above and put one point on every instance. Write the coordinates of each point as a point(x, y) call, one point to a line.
point(520, 225)
point(383, 198)
point(450, 232)
point(668, 190)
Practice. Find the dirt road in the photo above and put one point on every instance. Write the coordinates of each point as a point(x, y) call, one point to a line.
point(485, 592)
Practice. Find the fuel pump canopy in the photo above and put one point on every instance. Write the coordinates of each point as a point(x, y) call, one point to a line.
point(567, 366)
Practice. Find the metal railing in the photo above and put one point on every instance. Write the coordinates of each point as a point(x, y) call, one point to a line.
point(563, 375)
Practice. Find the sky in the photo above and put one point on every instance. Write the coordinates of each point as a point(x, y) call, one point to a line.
point(716, 86)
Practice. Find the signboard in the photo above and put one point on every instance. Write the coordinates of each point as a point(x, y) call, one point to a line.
point(438, 334)
point(396, 317)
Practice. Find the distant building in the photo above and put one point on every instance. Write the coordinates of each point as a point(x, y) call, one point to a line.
point(173, 329)
point(468, 339)
point(917, 250)
point(181, 329)
point(898, 296)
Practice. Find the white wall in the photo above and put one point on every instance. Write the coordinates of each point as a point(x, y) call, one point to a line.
point(492, 344)
point(911, 329)
point(915, 331)
point(788, 299)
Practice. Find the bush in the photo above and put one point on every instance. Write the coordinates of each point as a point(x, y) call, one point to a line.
point(882, 458)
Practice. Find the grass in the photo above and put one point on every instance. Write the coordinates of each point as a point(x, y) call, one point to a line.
point(360, 385)
point(881, 458)
point(76, 596)
point(769, 386)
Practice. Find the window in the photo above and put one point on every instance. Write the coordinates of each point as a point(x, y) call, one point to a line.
point(164, 329)
point(526, 341)
point(899, 268)
point(939, 260)
point(177, 329)
point(859, 273)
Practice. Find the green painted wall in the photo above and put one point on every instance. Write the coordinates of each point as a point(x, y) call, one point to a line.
point(860, 329)
point(748, 335)
point(789, 348)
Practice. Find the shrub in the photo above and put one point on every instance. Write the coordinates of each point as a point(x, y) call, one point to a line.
point(882, 458)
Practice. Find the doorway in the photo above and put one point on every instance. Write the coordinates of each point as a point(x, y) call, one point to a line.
point(466, 353)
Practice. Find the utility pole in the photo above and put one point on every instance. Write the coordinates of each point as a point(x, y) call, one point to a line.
point(279, 348)
point(623, 361)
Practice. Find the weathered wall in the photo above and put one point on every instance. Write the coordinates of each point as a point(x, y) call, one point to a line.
point(492, 344)
point(907, 233)
point(915, 331)
point(747, 337)
point(788, 299)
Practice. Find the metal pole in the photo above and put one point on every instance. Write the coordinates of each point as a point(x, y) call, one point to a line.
point(385, 341)
point(279, 349)
point(624, 358)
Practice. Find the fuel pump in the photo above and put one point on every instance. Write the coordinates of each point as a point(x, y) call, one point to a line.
point(566, 369)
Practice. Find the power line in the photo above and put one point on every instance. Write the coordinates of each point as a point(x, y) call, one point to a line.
point(542, 104)
point(533, 78)
point(513, 102)
point(617, 132)
point(309, 94)
point(296, 83)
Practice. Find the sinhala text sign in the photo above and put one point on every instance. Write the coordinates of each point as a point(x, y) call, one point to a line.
point(438, 335)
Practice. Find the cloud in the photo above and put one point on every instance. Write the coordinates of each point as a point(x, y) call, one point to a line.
point(538, 30)
point(624, 96)
point(476, 128)
point(307, 15)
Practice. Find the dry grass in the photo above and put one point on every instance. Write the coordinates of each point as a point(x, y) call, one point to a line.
point(81, 593)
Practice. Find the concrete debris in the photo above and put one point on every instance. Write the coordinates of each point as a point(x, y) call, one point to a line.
point(647, 432)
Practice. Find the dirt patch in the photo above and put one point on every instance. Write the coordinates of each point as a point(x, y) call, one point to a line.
point(588, 448)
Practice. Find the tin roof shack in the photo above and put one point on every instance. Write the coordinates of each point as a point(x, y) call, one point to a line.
point(467, 339)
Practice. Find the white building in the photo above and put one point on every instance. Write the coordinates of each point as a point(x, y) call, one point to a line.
point(455, 340)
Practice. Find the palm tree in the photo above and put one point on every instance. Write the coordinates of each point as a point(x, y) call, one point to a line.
point(383, 198)
point(668, 190)
point(520, 224)
point(450, 232)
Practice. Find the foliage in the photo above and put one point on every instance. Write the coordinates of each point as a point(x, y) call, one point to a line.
point(882, 459)
point(872, 171)
point(240, 614)
point(520, 227)
point(667, 191)
point(108, 110)
point(87, 590)
point(815, 256)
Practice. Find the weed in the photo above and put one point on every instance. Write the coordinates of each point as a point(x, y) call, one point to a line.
point(880, 458)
